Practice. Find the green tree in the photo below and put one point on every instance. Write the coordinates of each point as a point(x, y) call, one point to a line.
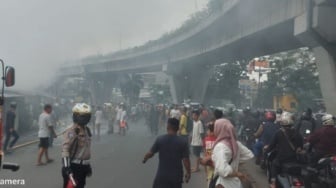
point(293, 72)
point(224, 82)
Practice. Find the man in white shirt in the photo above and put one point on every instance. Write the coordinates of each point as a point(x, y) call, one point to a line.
point(175, 113)
point(45, 127)
point(196, 139)
point(118, 117)
point(98, 122)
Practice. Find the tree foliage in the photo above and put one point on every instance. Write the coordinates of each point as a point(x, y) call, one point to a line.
point(224, 82)
point(295, 73)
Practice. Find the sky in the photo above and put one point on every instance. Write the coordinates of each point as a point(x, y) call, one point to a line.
point(37, 36)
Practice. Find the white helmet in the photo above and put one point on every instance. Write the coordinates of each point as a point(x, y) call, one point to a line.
point(81, 108)
point(286, 119)
point(328, 119)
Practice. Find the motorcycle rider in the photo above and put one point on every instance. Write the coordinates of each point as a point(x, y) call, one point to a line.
point(306, 124)
point(265, 133)
point(281, 142)
point(323, 139)
point(76, 151)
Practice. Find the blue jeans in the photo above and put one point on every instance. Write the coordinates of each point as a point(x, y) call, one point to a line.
point(257, 148)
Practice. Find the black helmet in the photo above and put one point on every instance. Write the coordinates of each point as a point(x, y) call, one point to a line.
point(279, 111)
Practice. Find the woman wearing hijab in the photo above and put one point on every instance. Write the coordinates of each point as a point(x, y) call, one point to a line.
point(227, 154)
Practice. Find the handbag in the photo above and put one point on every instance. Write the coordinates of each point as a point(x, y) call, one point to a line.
point(123, 124)
point(213, 181)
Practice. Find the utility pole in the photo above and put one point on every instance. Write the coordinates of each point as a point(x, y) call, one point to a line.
point(196, 5)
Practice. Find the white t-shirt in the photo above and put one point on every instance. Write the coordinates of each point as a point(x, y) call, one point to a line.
point(119, 111)
point(196, 139)
point(175, 114)
point(123, 115)
point(44, 122)
point(99, 117)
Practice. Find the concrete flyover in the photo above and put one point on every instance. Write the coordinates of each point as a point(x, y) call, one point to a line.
point(243, 29)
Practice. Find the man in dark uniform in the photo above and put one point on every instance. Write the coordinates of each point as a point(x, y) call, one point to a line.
point(76, 151)
point(173, 150)
point(10, 128)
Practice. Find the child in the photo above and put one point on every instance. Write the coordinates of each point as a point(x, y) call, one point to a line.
point(208, 144)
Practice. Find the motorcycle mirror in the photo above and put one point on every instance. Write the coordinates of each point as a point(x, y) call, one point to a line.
point(9, 76)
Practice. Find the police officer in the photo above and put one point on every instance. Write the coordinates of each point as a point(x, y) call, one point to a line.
point(76, 147)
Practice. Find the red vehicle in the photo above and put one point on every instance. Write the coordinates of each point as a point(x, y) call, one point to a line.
point(8, 80)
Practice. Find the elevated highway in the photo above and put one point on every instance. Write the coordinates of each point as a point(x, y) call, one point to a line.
point(243, 29)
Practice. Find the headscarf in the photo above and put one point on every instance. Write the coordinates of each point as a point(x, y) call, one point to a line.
point(225, 133)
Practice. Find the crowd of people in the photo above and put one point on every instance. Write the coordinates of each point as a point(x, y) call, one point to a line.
point(213, 137)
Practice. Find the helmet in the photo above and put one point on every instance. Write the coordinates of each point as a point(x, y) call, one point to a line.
point(286, 119)
point(247, 110)
point(328, 119)
point(279, 111)
point(81, 114)
point(270, 116)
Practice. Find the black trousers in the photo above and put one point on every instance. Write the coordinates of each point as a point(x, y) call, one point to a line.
point(166, 184)
point(79, 173)
point(8, 137)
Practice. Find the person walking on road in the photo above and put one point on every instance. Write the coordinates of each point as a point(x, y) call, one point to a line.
point(227, 154)
point(76, 148)
point(45, 127)
point(196, 139)
point(10, 128)
point(183, 131)
point(98, 122)
point(173, 151)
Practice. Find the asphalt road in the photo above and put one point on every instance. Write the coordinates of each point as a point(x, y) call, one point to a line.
point(116, 162)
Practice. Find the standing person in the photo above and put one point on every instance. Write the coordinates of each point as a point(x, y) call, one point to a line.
point(118, 116)
point(123, 120)
point(183, 124)
point(76, 148)
point(227, 154)
point(10, 128)
point(54, 121)
point(173, 151)
point(196, 139)
point(208, 144)
point(175, 112)
point(111, 115)
point(45, 127)
point(154, 120)
point(98, 122)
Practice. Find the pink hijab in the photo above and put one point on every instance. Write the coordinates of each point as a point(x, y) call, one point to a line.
point(225, 133)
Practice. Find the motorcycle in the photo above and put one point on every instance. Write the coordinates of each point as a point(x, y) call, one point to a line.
point(290, 176)
point(323, 173)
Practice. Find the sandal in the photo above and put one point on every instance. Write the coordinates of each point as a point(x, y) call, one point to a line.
point(40, 164)
point(195, 170)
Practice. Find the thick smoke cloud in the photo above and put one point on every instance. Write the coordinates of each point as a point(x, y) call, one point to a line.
point(36, 36)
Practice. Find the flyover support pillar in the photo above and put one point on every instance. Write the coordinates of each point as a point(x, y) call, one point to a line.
point(190, 83)
point(326, 65)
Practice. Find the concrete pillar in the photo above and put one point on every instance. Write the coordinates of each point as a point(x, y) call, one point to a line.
point(326, 65)
point(190, 83)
